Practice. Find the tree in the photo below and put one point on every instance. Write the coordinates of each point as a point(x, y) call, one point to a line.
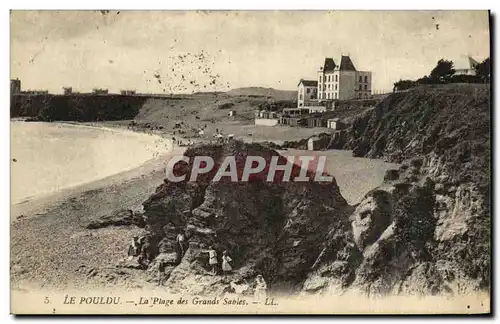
point(443, 70)
point(403, 85)
point(483, 69)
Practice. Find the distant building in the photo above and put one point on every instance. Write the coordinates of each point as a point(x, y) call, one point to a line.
point(266, 114)
point(35, 92)
point(266, 118)
point(15, 86)
point(295, 121)
point(316, 121)
point(335, 123)
point(67, 90)
point(308, 90)
point(317, 107)
point(343, 81)
point(100, 91)
point(465, 65)
point(128, 92)
point(295, 111)
point(232, 113)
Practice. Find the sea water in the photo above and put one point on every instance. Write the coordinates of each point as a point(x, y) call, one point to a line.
point(48, 157)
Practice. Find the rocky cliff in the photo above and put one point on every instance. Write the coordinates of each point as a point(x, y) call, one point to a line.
point(427, 228)
point(76, 107)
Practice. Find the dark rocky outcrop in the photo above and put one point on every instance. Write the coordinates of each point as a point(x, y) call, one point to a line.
point(273, 228)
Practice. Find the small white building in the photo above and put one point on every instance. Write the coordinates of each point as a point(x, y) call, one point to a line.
point(335, 123)
point(312, 143)
point(232, 113)
point(307, 90)
point(465, 65)
point(316, 109)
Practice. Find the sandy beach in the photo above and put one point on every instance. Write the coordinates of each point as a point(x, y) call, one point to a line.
point(48, 236)
point(51, 248)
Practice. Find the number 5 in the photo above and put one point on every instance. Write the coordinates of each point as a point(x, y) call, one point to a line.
point(46, 300)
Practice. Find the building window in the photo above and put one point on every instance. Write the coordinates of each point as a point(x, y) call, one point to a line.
point(360, 78)
point(335, 95)
point(336, 77)
point(300, 96)
point(320, 78)
point(329, 78)
point(366, 79)
point(309, 90)
point(335, 87)
point(360, 87)
point(329, 87)
point(366, 87)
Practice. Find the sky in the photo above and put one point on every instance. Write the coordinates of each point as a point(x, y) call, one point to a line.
point(186, 51)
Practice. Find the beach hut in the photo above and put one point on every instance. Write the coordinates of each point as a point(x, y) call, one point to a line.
point(335, 123)
point(312, 143)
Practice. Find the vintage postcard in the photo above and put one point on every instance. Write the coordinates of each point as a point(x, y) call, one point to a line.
point(250, 162)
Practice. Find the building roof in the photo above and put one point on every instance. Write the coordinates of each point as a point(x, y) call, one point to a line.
point(346, 64)
point(309, 83)
point(464, 62)
point(329, 65)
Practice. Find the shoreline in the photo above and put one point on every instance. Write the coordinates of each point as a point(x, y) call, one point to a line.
point(36, 205)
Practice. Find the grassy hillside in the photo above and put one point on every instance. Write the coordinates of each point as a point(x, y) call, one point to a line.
point(451, 121)
point(264, 92)
point(185, 115)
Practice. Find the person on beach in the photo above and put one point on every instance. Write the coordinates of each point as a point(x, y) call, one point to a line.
point(180, 241)
point(260, 288)
point(226, 266)
point(212, 259)
point(145, 256)
point(161, 272)
point(133, 249)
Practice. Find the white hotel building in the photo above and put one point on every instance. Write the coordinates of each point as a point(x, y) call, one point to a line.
point(343, 81)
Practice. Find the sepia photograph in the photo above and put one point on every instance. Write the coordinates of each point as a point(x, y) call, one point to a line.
point(250, 162)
